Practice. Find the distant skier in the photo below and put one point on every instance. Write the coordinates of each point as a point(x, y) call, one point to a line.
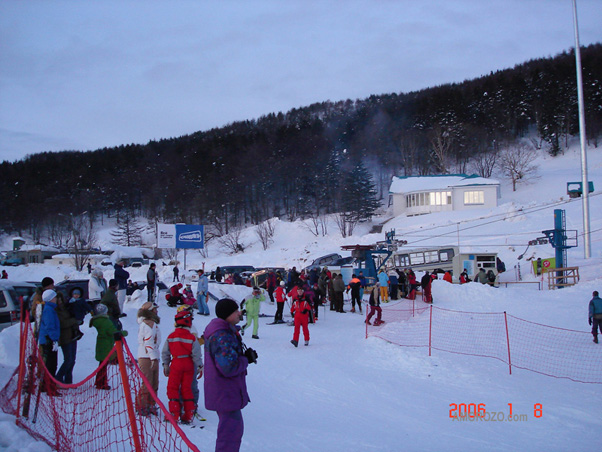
point(374, 303)
point(300, 312)
point(280, 299)
point(251, 304)
point(595, 314)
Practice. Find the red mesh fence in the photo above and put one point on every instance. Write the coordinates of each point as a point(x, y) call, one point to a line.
point(82, 417)
point(544, 349)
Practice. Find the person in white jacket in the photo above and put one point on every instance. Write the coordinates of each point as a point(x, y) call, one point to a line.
point(149, 340)
point(97, 286)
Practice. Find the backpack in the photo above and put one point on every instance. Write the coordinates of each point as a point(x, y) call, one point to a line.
point(491, 276)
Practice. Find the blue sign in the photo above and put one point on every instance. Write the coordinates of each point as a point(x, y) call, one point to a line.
point(190, 236)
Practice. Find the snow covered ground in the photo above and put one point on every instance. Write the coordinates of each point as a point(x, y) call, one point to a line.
point(347, 393)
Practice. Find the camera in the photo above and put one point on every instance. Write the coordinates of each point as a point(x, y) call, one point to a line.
point(251, 355)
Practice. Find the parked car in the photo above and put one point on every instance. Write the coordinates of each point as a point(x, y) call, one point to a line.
point(11, 261)
point(231, 269)
point(10, 300)
point(322, 261)
point(259, 277)
point(67, 286)
point(162, 288)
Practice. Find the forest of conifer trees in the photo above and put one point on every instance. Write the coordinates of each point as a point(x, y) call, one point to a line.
point(324, 158)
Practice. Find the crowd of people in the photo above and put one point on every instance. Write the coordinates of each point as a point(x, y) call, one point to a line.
point(223, 362)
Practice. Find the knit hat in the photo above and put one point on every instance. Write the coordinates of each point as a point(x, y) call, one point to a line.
point(225, 307)
point(48, 295)
point(101, 309)
point(47, 281)
point(76, 291)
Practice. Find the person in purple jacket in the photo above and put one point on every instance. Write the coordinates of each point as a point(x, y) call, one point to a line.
point(226, 362)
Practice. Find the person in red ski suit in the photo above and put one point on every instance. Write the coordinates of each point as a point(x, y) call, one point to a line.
point(280, 299)
point(183, 351)
point(413, 284)
point(300, 311)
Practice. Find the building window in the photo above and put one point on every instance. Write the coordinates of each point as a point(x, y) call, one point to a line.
point(474, 197)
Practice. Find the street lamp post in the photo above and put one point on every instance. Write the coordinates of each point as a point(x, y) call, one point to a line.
point(584, 182)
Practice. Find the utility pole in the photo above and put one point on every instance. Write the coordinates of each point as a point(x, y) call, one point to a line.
point(584, 181)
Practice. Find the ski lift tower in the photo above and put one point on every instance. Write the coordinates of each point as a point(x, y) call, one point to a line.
point(561, 240)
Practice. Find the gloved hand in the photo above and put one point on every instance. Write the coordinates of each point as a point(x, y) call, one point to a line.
point(166, 371)
point(55, 346)
point(589, 320)
point(199, 373)
point(305, 311)
point(251, 355)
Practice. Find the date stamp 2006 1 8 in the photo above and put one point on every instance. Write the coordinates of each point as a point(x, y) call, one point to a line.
point(478, 412)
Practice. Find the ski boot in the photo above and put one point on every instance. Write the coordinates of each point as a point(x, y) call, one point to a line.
point(255, 336)
point(294, 342)
point(306, 343)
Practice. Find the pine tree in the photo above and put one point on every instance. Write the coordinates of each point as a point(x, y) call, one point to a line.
point(359, 194)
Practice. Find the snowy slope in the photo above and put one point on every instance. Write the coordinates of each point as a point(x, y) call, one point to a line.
point(346, 393)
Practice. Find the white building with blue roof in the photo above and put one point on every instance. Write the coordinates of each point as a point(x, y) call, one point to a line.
point(418, 195)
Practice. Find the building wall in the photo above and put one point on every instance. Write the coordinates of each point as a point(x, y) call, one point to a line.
point(489, 200)
point(489, 197)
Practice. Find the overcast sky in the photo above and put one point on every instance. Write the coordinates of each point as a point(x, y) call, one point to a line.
point(84, 75)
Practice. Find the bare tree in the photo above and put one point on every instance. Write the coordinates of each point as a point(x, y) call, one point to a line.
point(441, 141)
point(58, 232)
point(317, 225)
point(346, 223)
point(82, 241)
point(516, 162)
point(265, 232)
point(232, 241)
point(129, 231)
point(484, 163)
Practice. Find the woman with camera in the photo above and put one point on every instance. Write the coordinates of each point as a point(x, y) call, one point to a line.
point(226, 362)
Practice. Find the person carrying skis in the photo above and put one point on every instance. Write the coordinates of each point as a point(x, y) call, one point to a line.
point(252, 304)
point(280, 299)
point(595, 314)
point(182, 359)
point(149, 338)
point(374, 303)
point(226, 364)
point(300, 311)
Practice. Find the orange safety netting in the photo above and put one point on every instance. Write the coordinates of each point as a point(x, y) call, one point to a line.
point(82, 417)
point(544, 349)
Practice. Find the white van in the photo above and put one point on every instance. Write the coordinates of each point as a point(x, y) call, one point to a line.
point(11, 293)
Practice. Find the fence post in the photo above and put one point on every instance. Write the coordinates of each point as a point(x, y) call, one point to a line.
point(127, 393)
point(22, 367)
point(508, 342)
point(430, 328)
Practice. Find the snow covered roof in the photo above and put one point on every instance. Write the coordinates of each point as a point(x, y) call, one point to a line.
point(51, 249)
point(408, 184)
